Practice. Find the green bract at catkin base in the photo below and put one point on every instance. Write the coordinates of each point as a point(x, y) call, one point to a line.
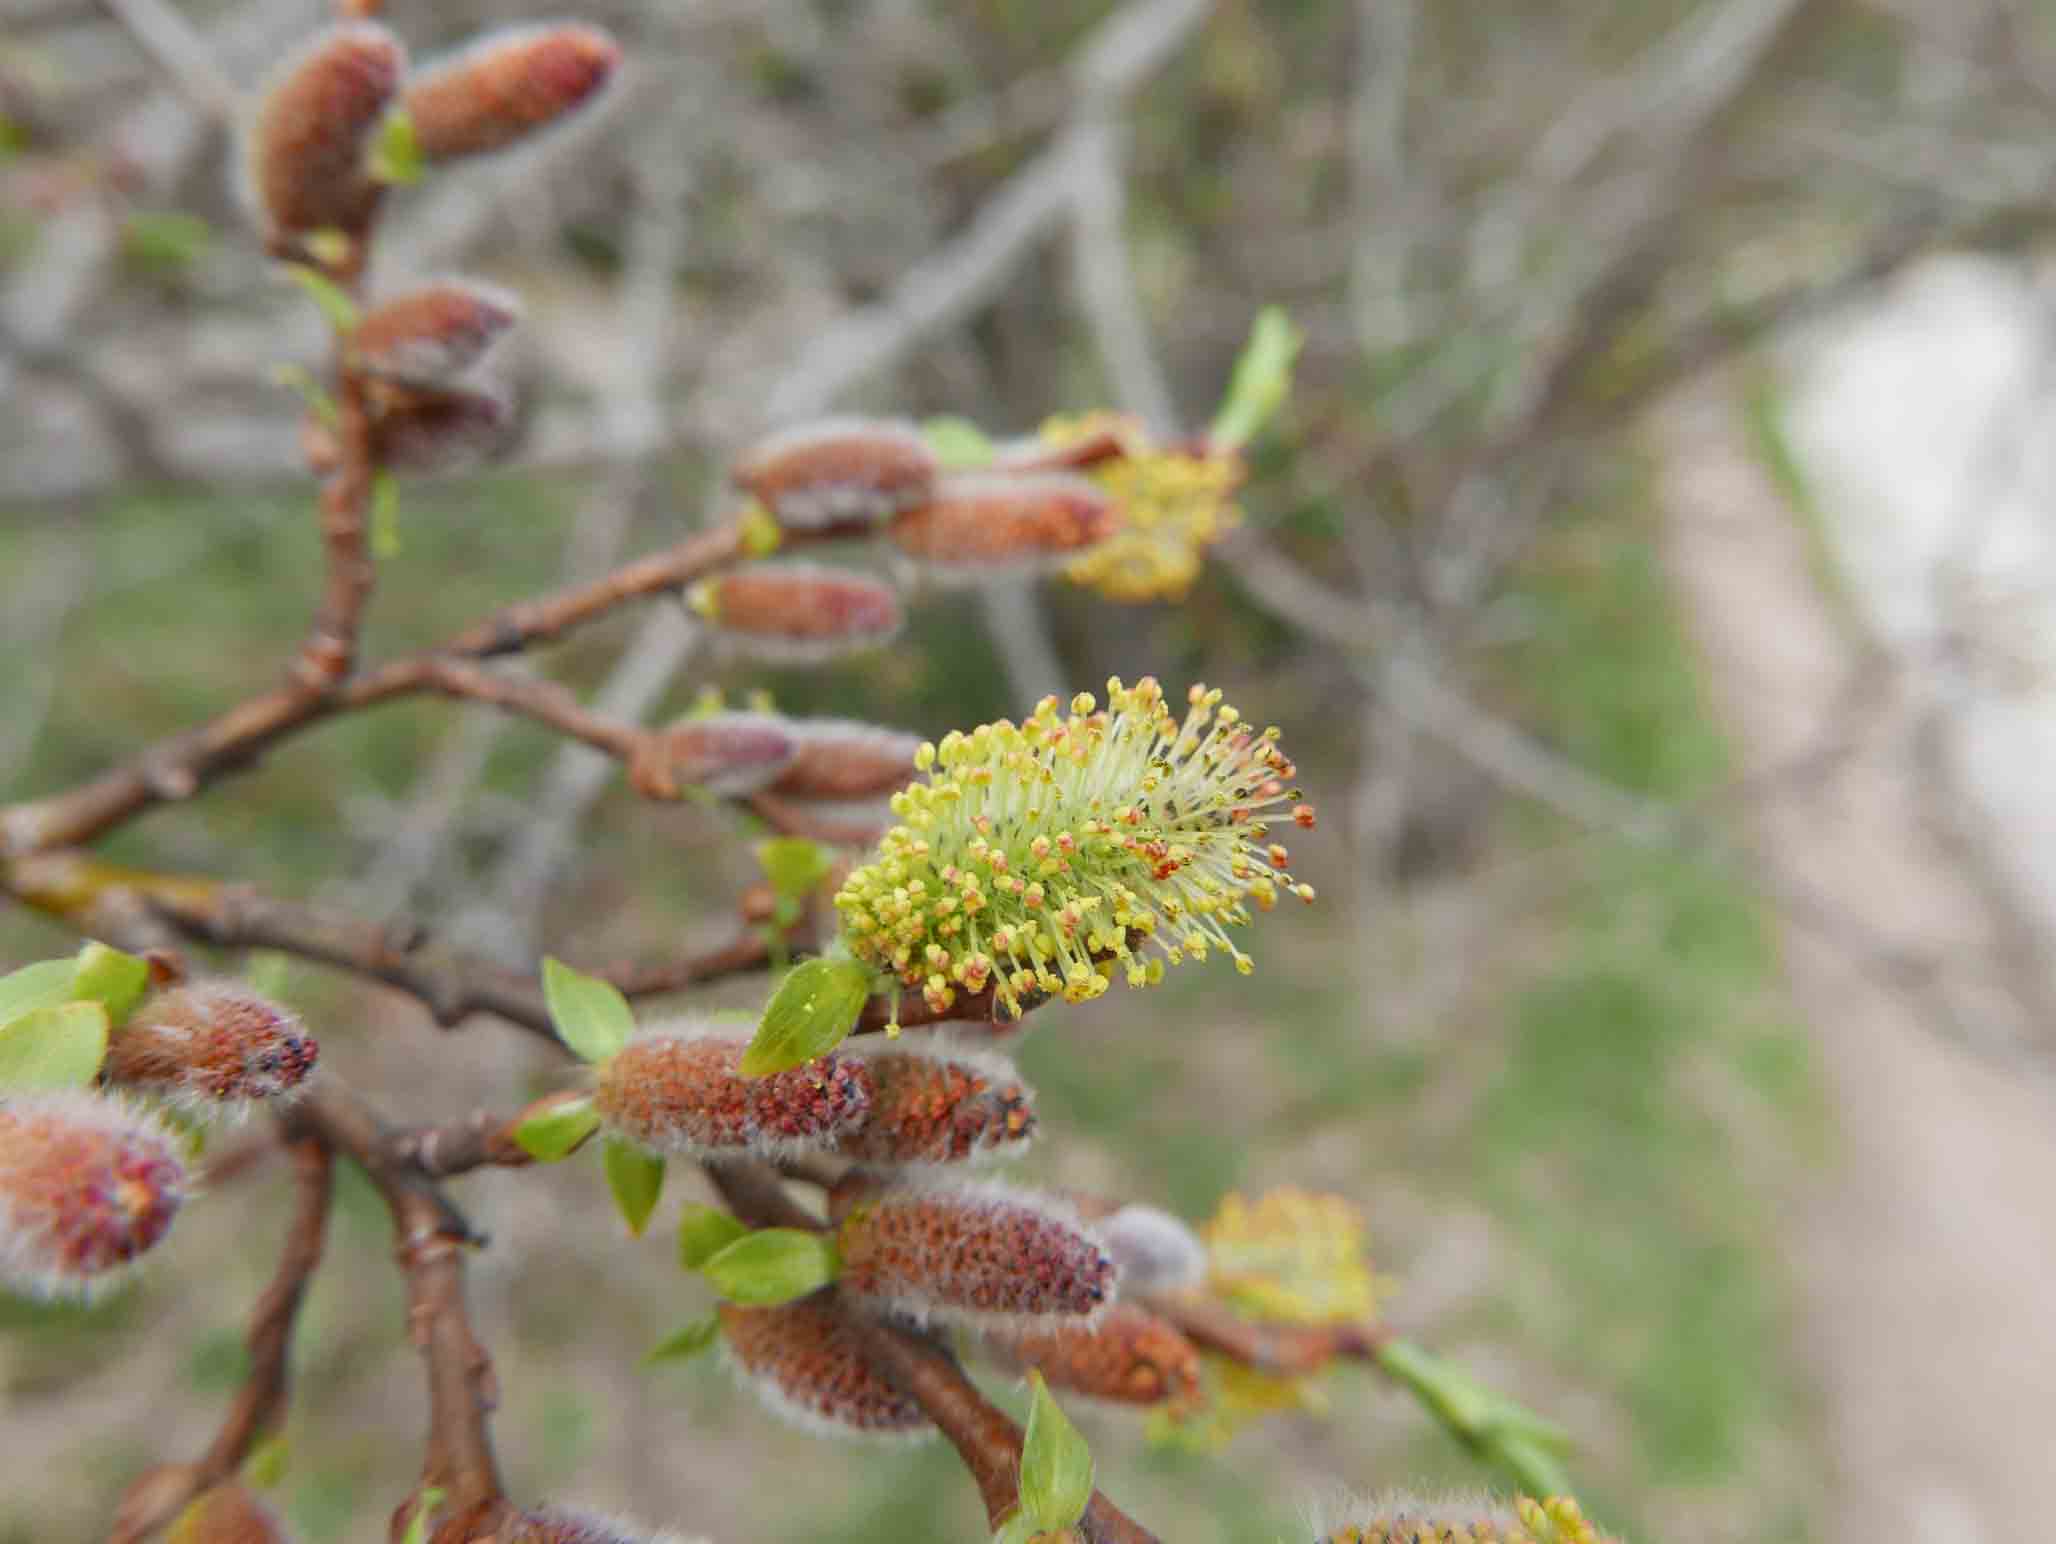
point(1035, 858)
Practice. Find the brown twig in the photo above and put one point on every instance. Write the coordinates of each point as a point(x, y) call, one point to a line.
point(158, 1496)
point(1282, 1350)
point(329, 653)
point(481, 1140)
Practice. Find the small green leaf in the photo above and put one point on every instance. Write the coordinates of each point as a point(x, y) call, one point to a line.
point(396, 154)
point(811, 1013)
point(338, 307)
point(794, 865)
point(164, 242)
point(689, 1342)
point(703, 1232)
point(110, 978)
point(559, 1131)
point(1494, 1427)
point(637, 1179)
point(269, 972)
point(59, 1047)
point(1056, 1465)
point(266, 1465)
point(385, 516)
point(958, 443)
point(774, 1265)
point(44, 984)
point(591, 1015)
point(424, 1509)
point(294, 378)
point(1261, 382)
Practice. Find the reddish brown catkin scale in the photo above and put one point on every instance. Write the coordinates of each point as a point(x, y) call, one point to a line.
point(836, 470)
point(835, 759)
point(798, 611)
point(935, 1103)
point(572, 1525)
point(506, 86)
point(227, 1514)
point(88, 1183)
point(435, 429)
point(729, 753)
point(211, 1042)
point(807, 1365)
point(679, 1091)
point(978, 524)
point(433, 333)
point(1130, 1356)
point(982, 1255)
point(303, 157)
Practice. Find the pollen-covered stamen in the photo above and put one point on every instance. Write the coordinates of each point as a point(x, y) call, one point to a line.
point(680, 1090)
point(797, 611)
point(303, 155)
point(977, 525)
point(1403, 1519)
point(211, 1042)
point(506, 86)
point(933, 1102)
point(1042, 858)
point(434, 333)
point(807, 1365)
point(838, 470)
point(435, 429)
point(1129, 1356)
point(729, 753)
point(841, 760)
point(979, 1254)
point(227, 1514)
point(87, 1184)
point(575, 1525)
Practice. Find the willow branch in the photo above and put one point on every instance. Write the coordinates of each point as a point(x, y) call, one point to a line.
point(1281, 1350)
point(329, 653)
point(481, 1140)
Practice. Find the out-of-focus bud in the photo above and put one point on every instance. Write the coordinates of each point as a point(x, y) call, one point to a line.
point(227, 1514)
point(304, 150)
point(1402, 1519)
point(838, 470)
point(807, 1366)
point(983, 525)
point(433, 333)
point(575, 1525)
point(507, 85)
point(87, 1184)
point(1130, 1357)
point(797, 611)
point(427, 429)
point(729, 754)
point(984, 1255)
point(837, 759)
point(1156, 1251)
point(680, 1090)
point(933, 1102)
point(211, 1043)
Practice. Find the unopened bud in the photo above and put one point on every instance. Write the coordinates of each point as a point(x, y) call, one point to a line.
point(797, 611)
point(1129, 1356)
point(575, 1525)
point(1156, 1251)
point(424, 429)
point(507, 85)
point(88, 1183)
point(304, 153)
point(227, 1514)
point(938, 1103)
point(680, 1090)
point(980, 525)
point(729, 753)
point(433, 333)
point(807, 1365)
point(211, 1043)
point(979, 1254)
point(838, 470)
point(837, 759)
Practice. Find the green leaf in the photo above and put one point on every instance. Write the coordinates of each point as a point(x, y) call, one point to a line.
point(266, 1465)
point(689, 1342)
point(396, 154)
point(44, 984)
point(165, 241)
point(774, 1265)
point(424, 1509)
point(110, 978)
point(1261, 382)
point(559, 1131)
point(1056, 1465)
point(338, 307)
point(637, 1179)
point(591, 1015)
point(812, 1012)
point(385, 516)
point(1494, 1427)
point(958, 443)
point(1017, 1529)
point(794, 865)
point(59, 1047)
point(703, 1232)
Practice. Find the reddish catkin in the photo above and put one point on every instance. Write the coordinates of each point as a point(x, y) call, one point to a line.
point(88, 1183)
point(227, 1514)
point(506, 86)
point(678, 1090)
point(797, 611)
point(978, 1254)
point(304, 152)
point(430, 429)
point(933, 1102)
point(979, 524)
point(729, 753)
point(211, 1042)
point(836, 759)
point(1130, 1357)
point(806, 1364)
point(575, 1525)
point(433, 333)
point(835, 470)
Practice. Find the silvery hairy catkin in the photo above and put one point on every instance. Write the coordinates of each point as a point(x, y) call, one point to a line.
point(807, 1365)
point(986, 525)
point(210, 1043)
point(677, 1089)
point(506, 86)
point(303, 159)
point(1128, 1356)
point(838, 470)
point(797, 612)
point(935, 1102)
point(432, 334)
